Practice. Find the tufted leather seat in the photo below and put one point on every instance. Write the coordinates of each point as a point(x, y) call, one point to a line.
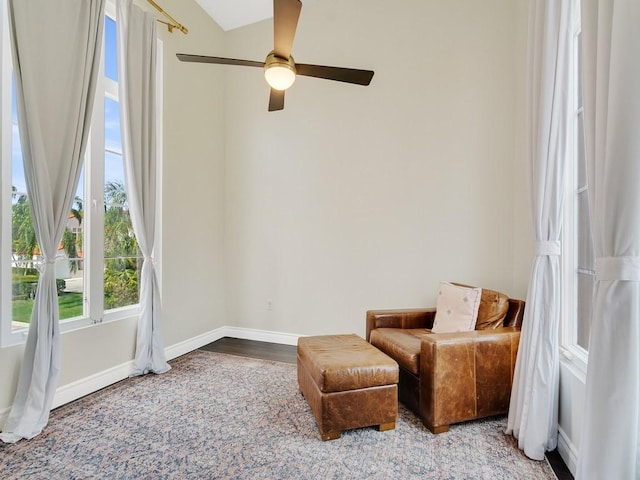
point(452, 377)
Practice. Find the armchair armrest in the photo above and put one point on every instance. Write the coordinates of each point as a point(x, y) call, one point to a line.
point(403, 318)
point(466, 375)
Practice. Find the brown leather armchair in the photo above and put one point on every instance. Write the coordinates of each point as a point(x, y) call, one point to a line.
point(448, 378)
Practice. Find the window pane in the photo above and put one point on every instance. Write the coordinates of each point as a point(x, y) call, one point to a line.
point(121, 281)
point(17, 168)
point(24, 275)
point(120, 246)
point(586, 285)
point(14, 103)
point(26, 258)
point(70, 265)
point(586, 260)
point(110, 55)
point(579, 69)
point(580, 153)
point(112, 136)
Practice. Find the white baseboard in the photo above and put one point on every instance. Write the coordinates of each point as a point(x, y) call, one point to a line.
point(191, 344)
point(93, 383)
point(567, 451)
point(261, 335)
point(78, 389)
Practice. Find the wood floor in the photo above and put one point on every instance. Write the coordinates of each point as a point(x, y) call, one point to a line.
point(287, 354)
point(250, 348)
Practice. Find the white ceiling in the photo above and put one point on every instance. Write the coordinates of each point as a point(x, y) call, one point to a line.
point(230, 14)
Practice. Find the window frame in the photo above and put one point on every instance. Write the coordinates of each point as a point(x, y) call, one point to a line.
point(6, 334)
point(574, 355)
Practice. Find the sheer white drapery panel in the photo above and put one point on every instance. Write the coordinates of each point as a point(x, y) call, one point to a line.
point(609, 446)
point(137, 49)
point(56, 53)
point(533, 411)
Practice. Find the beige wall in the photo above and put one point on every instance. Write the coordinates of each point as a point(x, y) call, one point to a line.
point(355, 198)
point(523, 235)
point(193, 186)
point(192, 253)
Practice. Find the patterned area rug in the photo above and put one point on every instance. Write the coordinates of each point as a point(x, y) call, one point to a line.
point(227, 417)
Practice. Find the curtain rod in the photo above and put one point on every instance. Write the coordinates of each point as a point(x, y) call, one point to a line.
point(172, 23)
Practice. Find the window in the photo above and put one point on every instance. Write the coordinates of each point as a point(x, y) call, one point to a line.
point(579, 259)
point(120, 249)
point(98, 262)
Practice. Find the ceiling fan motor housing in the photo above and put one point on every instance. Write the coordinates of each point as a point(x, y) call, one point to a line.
point(279, 72)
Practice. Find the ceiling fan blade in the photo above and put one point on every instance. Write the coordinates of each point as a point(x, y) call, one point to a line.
point(285, 22)
point(185, 57)
point(276, 100)
point(347, 75)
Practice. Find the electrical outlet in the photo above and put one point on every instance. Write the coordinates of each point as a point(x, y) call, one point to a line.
point(269, 305)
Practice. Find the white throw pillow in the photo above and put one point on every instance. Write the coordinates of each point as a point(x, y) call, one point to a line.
point(456, 309)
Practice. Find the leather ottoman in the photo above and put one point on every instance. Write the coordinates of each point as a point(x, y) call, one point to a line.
point(348, 383)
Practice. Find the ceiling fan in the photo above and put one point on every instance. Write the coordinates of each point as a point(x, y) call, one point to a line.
point(280, 70)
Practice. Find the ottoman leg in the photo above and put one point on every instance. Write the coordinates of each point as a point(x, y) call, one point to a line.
point(383, 427)
point(438, 429)
point(332, 435)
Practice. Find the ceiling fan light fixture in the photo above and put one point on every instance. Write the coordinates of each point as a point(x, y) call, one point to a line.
point(279, 73)
point(280, 70)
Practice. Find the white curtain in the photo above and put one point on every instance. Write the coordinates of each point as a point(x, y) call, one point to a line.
point(137, 90)
point(56, 51)
point(609, 446)
point(533, 411)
